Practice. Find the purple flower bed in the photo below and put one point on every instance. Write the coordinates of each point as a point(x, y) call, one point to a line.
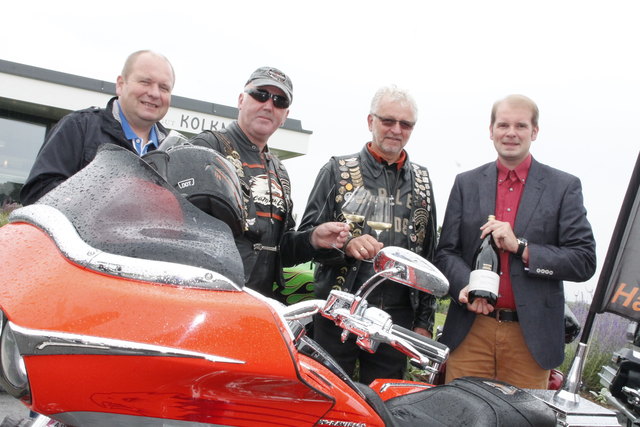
point(607, 336)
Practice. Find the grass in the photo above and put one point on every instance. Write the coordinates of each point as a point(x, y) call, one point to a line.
point(5, 210)
point(439, 322)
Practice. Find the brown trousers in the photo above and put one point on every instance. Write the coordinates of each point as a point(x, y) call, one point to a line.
point(496, 350)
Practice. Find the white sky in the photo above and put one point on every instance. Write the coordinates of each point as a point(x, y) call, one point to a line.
point(578, 60)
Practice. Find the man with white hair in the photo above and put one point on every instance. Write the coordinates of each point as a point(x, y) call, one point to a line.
point(384, 169)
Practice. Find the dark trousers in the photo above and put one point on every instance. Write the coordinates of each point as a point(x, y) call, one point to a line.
point(386, 362)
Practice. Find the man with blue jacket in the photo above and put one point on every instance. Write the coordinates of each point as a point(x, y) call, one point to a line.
point(130, 120)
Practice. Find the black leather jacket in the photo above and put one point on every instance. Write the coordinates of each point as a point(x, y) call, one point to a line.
point(72, 144)
point(336, 271)
point(262, 267)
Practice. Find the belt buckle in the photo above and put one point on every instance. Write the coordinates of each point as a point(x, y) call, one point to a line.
point(498, 312)
point(261, 247)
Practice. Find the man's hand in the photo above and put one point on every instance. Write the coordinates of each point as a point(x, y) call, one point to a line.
point(502, 234)
point(478, 306)
point(329, 235)
point(363, 247)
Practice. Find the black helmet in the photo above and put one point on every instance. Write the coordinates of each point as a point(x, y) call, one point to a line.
point(205, 178)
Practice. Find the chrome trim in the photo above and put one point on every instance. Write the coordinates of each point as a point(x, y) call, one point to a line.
point(631, 416)
point(61, 230)
point(302, 311)
point(37, 342)
point(584, 413)
point(568, 395)
point(385, 386)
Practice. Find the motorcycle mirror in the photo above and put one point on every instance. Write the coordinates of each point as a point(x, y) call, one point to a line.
point(411, 270)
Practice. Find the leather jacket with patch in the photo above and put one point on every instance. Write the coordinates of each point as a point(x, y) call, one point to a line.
point(414, 227)
point(269, 241)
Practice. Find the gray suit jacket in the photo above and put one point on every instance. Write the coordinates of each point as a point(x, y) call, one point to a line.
point(552, 217)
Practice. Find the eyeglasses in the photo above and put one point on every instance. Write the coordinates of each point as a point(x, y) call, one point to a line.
point(389, 122)
point(261, 95)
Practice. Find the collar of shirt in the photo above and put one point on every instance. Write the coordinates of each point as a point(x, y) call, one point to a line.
point(521, 171)
point(135, 139)
point(399, 163)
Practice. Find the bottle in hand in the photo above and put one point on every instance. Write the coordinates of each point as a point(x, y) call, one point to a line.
point(484, 281)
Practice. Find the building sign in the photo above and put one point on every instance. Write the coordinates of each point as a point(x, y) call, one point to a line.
point(194, 123)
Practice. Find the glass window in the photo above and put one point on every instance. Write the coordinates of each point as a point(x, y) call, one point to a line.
point(19, 145)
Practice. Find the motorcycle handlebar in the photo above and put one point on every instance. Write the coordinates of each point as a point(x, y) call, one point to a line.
point(371, 325)
point(302, 311)
point(432, 349)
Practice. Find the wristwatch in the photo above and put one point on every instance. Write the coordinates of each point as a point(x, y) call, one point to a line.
point(522, 244)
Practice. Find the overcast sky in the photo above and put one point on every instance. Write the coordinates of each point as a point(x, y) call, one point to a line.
point(578, 60)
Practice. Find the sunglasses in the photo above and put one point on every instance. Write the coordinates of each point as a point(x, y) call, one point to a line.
point(261, 95)
point(389, 123)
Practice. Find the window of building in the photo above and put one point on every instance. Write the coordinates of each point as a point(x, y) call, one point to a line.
point(19, 145)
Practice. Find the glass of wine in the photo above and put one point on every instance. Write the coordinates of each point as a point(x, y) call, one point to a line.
point(356, 206)
point(380, 218)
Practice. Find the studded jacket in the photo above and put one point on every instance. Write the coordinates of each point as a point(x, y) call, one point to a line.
point(414, 227)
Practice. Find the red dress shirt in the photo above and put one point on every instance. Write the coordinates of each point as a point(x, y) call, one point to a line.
point(508, 193)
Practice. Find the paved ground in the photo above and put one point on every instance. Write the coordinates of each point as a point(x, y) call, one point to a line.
point(11, 407)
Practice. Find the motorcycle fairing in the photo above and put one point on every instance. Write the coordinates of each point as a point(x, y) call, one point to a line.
point(131, 338)
point(349, 404)
point(44, 291)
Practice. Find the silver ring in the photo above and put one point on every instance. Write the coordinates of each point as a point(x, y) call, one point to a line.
point(362, 249)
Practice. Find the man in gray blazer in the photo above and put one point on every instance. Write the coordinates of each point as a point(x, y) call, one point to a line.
point(543, 236)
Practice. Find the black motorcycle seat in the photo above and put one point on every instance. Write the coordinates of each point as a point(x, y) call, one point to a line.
point(471, 401)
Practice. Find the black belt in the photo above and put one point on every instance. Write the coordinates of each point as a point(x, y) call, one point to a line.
point(504, 315)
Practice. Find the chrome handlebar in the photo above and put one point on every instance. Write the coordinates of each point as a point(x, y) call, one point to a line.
point(371, 326)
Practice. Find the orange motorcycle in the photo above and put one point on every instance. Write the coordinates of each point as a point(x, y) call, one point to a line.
point(122, 303)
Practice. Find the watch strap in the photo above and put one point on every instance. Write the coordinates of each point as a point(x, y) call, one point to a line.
point(522, 245)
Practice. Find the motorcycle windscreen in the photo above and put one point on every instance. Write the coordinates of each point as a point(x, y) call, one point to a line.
point(618, 289)
point(120, 205)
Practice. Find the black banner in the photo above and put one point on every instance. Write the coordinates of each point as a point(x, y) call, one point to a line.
point(618, 289)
